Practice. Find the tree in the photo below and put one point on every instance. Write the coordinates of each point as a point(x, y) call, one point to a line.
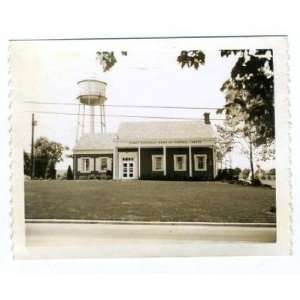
point(47, 154)
point(249, 94)
point(191, 58)
point(249, 98)
point(225, 141)
point(240, 135)
point(69, 173)
point(27, 163)
point(249, 91)
point(107, 59)
point(50, 170)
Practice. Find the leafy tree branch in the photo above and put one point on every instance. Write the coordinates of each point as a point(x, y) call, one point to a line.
point(107, 59)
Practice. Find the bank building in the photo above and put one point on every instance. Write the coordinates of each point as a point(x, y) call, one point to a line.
point(160, 150)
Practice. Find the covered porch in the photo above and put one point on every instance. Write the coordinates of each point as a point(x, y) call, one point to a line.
point(165, 162)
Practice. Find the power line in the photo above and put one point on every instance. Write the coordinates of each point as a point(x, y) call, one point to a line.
point(130, 105)
point(123, 116)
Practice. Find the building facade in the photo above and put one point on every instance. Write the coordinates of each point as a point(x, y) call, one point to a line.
point(174, 150)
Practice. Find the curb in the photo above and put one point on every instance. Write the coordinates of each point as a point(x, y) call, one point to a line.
point(111, 222)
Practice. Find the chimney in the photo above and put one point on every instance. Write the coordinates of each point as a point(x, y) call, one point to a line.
point(206, 118)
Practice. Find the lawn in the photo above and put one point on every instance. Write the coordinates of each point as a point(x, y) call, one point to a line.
point(148, 201)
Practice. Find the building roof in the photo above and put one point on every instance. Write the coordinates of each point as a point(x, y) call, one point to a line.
point(96, 141)
point(165, 130)
point(147, 131)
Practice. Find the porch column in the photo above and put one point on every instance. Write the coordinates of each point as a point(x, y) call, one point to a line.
point(165, 160)
point(115, 158)
point(214, 163)
point(139, 162)
point(74, 166)
point(190, 162)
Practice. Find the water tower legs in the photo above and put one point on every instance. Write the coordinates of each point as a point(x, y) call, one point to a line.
point(102, 118)
point(104, 121)
point(78, 123)
point(92, 119)
point(83, 121)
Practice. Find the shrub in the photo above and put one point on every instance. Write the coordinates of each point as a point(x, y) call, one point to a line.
point(272, 172)
point(256, 182)
point(50, 170)
point(245, 173)
point(109, 174)
point(69, 173)
point(27, 164)
point(103, 176)
point(227, 174)
point(237, 172)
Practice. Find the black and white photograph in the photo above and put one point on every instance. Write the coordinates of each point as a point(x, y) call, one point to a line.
point(151, 143)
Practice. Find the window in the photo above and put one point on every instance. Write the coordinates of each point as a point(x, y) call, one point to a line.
point(157, 163)
point(86, 165)
point(103, 164)
point(200, 162)
point(180, 162)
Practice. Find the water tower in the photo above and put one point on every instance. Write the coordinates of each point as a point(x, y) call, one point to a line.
point(91, 96)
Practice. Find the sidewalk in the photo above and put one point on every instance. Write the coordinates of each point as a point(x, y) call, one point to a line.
point(70, 234)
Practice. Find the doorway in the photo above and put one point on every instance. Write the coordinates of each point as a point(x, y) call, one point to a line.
point(128, 166)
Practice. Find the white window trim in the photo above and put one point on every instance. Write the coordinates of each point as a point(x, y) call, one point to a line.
point(90, 169)
point(100, 164)
point(196, 157)
point(154, 157)
point(184, 169)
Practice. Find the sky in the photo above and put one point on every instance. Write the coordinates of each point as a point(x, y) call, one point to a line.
point(48, 71)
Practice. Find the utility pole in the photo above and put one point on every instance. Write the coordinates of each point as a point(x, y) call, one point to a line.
point(33, 123)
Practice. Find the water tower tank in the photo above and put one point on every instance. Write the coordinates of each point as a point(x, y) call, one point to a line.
point(92, 92)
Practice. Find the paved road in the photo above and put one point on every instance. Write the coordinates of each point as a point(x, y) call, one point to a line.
point(54, 234)
point(71, 240)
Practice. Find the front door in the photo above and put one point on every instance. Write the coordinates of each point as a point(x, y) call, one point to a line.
point(128, 165)
point(128, 168)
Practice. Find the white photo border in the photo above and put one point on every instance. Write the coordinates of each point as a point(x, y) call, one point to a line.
point(163, 248)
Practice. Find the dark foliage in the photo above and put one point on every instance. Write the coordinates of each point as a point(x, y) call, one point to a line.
point(109, 173)
point(245, 173)
point(228, 174)
point(69, 173)
point(256, 182)
point(50, 170)
point(108, 59)
point(47, 154)
point(272, 172)
point(191, 58)
point(27, 164)
point(40, 167)
point(237, 171)
point(250, 93)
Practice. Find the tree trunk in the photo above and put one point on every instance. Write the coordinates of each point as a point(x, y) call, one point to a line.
point(251, 159)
